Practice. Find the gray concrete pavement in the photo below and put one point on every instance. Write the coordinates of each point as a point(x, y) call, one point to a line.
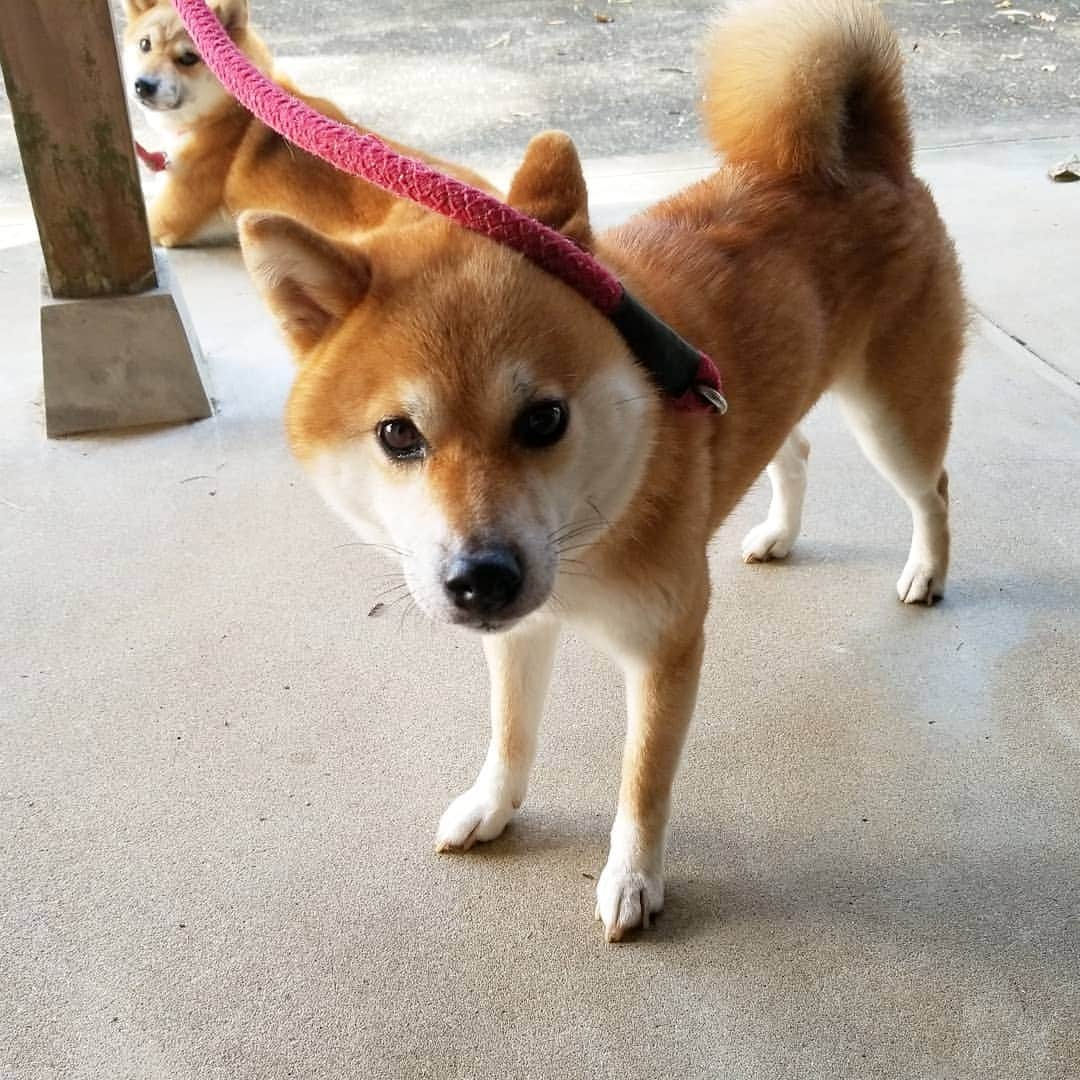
point(220, 777)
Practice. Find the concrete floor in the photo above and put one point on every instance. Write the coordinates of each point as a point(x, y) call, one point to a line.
point(220, 777)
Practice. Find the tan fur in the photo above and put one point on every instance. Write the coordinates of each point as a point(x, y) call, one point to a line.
point(226, 161)
point(781, 75)
point(814, 259)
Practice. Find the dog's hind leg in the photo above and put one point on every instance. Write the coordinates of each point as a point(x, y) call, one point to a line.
point(902, 425)
point(774, 537)
point(519, 664)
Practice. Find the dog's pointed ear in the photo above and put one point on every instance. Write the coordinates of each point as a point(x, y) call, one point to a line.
point(309, 282)
point(232, 14)
point(134, 8)
point(550, 186)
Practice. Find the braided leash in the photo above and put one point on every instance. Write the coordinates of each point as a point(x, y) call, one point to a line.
point(687, 375)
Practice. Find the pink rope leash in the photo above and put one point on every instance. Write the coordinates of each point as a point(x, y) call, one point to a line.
point(370, 159)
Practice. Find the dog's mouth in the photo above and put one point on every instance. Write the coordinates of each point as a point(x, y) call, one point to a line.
point(154, 105)
point(486, 626)
point(476, 623)
point(157, 93)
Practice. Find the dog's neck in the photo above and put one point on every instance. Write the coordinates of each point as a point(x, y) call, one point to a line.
point(181, 135)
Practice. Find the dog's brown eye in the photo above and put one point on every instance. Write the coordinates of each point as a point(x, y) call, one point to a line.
point(400, 439)
point(144, 44)
point(188, 59)
point(542, 424)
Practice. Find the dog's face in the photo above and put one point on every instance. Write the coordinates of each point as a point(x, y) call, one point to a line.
point(457, 404)
point(162, 68)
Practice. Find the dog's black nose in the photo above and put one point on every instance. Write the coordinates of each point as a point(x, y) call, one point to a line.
point(145, 88)
point(484, 582)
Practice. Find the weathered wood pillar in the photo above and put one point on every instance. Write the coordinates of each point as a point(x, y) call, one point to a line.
point(117, 347)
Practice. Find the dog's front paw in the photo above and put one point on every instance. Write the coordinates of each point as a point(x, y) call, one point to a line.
point(767, 541)
point(922, 582)
point(165, 230)
point(626, 898)
point(479, 814)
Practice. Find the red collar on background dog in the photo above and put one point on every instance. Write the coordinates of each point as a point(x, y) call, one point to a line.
point(686, 375)
point(155, 161)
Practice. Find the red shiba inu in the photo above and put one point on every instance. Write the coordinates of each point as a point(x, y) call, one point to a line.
point(456, 403)
point(221, 160)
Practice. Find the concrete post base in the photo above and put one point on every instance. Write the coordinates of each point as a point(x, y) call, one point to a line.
point(121, 361)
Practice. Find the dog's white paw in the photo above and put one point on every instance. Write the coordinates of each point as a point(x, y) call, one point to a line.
point(479, 814)
point(767, 541)
point(627, 898)
point(921, 582)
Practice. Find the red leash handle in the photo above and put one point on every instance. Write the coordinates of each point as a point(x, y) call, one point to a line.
point(688, 375)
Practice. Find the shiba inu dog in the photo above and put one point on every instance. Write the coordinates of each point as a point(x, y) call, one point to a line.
point(461, 407)
point(221, 160)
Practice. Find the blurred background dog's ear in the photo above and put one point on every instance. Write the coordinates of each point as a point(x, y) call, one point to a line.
point(550, 186)
point(232, 14)
point(308, 281)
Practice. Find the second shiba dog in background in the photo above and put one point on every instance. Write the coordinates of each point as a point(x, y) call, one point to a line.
point(460, 406)
point(221, 159)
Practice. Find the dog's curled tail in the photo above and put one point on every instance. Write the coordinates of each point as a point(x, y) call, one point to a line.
point(807, 87)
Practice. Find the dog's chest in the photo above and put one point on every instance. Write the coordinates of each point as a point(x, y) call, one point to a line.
point(619, 618)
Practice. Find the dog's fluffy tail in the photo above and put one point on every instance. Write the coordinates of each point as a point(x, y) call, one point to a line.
point(807, 87)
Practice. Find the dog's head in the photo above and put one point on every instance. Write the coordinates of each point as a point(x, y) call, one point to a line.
point(164, 70)
point(456, 403)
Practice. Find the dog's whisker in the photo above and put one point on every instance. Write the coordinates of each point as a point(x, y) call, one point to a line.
point(558, 534)
point(390, 575)
point(576, 533)
point(587, 574)
point(579, 521)
point(401, 621)
point(382, 606)
point(393, 575)
point(579, 545)
point(581, 526)
point(390, 589)
point(629, 400)
point(575, 547)
point(591, 503)
point(370, 544)
point(406, 612)
point(576, 529)
point(577, 563)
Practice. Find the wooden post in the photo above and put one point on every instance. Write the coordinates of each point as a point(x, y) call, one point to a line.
point(104, 366)
point(67, 100)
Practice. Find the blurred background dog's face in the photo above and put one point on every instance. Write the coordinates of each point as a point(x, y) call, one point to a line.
point(163, 70)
